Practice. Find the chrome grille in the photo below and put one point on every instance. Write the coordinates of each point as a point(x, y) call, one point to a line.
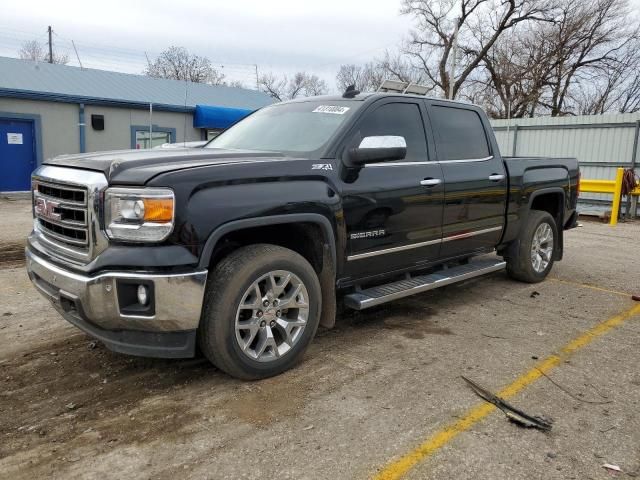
point(66, 204)
point(61, 213)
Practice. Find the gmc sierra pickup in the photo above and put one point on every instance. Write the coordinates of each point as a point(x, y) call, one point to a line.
point(243, 247)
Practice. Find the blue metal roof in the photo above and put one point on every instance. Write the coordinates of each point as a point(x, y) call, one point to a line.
point(38, 80)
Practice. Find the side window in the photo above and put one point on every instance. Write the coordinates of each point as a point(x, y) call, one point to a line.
point(402, 119)
point(459, 134)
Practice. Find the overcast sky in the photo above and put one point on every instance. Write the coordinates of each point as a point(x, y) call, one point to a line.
point(282, 36)
point(279, 35)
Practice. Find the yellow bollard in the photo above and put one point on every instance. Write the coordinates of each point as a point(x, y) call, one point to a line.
point(617, 196)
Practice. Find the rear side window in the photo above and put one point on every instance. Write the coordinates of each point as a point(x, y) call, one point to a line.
point(459, 134)
point(401, 119)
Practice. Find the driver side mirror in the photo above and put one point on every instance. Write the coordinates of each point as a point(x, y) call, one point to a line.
point(378, 149)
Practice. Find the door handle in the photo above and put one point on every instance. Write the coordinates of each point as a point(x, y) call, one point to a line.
point(430, 182)
point(496, 177)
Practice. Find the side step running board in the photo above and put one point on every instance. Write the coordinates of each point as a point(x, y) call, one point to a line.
point(370, 297)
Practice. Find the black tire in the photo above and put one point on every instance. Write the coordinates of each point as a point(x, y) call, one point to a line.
point(519, 259)
point(227, 285)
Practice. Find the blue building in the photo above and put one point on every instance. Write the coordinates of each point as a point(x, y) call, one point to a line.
point(48, 110)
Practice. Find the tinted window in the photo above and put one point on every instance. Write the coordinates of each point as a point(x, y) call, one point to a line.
point(459, 134)
point(402, 119)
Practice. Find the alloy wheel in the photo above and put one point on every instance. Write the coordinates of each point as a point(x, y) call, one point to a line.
point(272, 316)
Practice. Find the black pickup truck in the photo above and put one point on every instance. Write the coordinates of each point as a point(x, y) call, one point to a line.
point(244, 247)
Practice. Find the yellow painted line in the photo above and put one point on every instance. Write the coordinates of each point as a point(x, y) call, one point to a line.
point(592, 287)
point(398, 468)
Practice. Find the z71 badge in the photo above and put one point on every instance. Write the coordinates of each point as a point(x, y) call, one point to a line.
point(369, 234)
point(321, 166)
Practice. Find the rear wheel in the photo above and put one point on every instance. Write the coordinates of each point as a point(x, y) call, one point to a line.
point(531, 258)
point(262, 310)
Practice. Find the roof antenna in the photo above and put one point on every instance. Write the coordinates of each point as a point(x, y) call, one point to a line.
point(184, 131)
point(77, 56)
point(350, 92)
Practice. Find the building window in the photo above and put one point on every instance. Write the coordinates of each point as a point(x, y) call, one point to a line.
point(140, 136)
point(213, 133)
point(159, 138)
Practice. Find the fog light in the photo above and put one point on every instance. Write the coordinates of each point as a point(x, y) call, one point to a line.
point(143, 296)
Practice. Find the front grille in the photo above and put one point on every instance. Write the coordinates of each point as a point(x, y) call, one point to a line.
point(61, 213)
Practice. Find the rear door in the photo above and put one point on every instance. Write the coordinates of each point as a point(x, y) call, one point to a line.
point(393, 210)
point(475, 179)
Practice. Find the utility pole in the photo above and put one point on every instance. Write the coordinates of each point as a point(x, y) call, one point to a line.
point(257, 78)
point(50, 31)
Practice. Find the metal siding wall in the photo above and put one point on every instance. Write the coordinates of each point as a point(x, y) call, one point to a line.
point(60, 133)
point(587, 144)
point(117, 122)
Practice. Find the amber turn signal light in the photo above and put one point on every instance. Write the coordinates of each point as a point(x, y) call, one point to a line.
point(158, 209)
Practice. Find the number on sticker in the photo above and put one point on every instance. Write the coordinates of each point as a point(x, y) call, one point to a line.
point(331, 109)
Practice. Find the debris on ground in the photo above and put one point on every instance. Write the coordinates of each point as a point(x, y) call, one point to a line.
point(635, 298)
point(534, 294)
point(575, 397)
point(494, 336)
point(70, 406)
point(614, 468)
point(513, 414)
point(92, 345)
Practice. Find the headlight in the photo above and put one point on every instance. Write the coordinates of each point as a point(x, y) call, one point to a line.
point(139, 214)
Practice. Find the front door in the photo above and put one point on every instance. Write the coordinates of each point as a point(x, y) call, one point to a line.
point(475, 179)
point(17, 155)
point(393, 210)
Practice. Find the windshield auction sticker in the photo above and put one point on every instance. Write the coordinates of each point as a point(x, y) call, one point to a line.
point(331, 109)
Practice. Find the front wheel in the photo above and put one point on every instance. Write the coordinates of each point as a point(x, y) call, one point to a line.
point(262, 309)
point(531, 258)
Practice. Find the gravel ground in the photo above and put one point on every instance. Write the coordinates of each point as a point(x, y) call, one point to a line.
point(368, 392)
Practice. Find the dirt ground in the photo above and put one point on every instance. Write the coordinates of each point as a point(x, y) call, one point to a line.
point(16, 215)
point(367, 393)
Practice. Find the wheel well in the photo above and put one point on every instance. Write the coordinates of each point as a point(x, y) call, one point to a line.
point(303, 238)
point(551, 203)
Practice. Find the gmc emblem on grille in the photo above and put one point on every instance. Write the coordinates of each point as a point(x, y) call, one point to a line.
point(45, 208)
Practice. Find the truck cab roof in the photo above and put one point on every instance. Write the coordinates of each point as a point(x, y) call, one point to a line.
point(372, 96)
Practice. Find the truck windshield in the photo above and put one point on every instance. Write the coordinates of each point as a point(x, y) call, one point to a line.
point(299, 127)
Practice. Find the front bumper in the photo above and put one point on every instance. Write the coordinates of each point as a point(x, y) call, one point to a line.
point(91, 303)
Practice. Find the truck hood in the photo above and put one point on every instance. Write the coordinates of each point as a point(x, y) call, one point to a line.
point(136, 167)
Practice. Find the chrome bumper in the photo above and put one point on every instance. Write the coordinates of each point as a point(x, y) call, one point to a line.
point(178, 297)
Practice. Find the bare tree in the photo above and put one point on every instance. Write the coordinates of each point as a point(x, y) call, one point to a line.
point(613, 88)
point(358, 75)
point(235, 84)
point(35, 51)
point(273, 86)
point(519, 58)
point(629, 100)
point(517, 72)
point(177, 63)
point(313, 85)
point(480, 23)
point(589, 39)
point(302, 84)
point(584, 61)
point(369, 76)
